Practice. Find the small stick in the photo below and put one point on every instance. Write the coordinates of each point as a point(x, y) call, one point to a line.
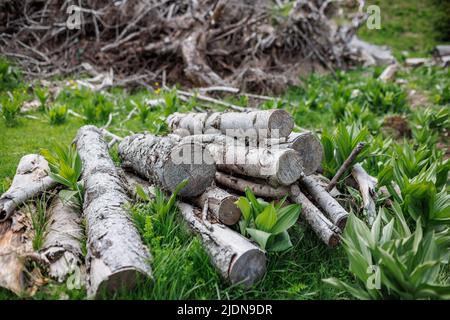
point(347, 163)
point(212, 100)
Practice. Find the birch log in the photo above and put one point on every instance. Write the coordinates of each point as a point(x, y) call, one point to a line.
point(335, 212)
point(323, 228)
point(259, 189)
point(269, 123)
point(309, 148)
point(116, 257)
point(31, 179)
point(62, 245)
point(367, 185)
point(221, 204)
point(237, 259)
point(166, 162)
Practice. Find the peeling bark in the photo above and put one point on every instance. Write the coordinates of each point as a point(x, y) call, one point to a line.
point(367, 185)
point(323, 228)
point(166, 163)
point(235, 257)
point(31, 179)
point(337, 214)
point(269, 123)
point(116, 257)
point(221, 204)
point(62, 246)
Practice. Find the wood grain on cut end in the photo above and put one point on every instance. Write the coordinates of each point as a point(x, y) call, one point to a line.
point(248, 268)
point(310, 149)
point(281, 121)
point(289, 167)
point(229, 213)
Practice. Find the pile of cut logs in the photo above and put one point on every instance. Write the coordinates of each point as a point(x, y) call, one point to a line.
point(228, 152)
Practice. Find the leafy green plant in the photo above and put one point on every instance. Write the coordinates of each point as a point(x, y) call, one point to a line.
point(10, 77)
point(10, 107)
point(338, 147)
point(97, 109)
point(65, 168)
point(42, 95)
point(171, 102)
point(267, 223)
point(392, 262)
point(39, 221)
point(381, 97)
point(57, 114)
point(143, 109)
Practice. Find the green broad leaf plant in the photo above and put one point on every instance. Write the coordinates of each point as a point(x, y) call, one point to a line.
point(267, 223)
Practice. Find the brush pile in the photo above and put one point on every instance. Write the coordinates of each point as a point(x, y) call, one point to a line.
point(220, 154)
point(254, 45)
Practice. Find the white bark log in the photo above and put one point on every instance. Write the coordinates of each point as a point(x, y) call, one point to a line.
point(367, 185)
point(442, 50)
point(116, 257)
point(166, 163)
point(62, 246)
point(268, 123)
point(259, 189)
point(332, 209)
point(221, 204)
point(323, 228)
point(237, 259)
point(31, 179)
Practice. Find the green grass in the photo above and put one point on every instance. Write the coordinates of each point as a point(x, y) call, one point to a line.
point(406, 26)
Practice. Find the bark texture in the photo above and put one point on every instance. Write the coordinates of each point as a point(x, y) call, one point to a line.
point(323, 228)
point(259, 189)
point(221, 204)
point(16, 251)
point(62, 246)
point(31, 179)
point(116, 257)
point(166, 163)
point(367, 185)
point(237, 259)
point(269, 123)
point(335, 212)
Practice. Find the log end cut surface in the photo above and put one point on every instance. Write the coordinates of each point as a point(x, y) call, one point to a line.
point(282, 121)
point(311, 152)
point(229, 213)
point(290, 167)
point(249, 268)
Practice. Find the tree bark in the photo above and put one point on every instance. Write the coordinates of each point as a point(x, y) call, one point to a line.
point(237, 259)
point(269, 123)
point(166, 163)
point(116, 257)
point(389, 73)
point(367, 185)
point(62, 246)
point(259, 189)
point(31, 179)
point(221, 204)
point(307, 145)
point(16, 251)
point(335, 212)
point(323, 228)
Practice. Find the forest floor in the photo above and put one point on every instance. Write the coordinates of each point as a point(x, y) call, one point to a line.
point(396, 115)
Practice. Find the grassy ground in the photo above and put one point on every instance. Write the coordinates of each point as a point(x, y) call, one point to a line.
point(180, 265)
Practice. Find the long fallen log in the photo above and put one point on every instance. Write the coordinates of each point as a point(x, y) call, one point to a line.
point(367, 185)
point(116, 257)
point(323, 228)
point(31, 179)
point(221, 204)
point(62, 246)
point(269, 123)
point(166, 162)
point(335, 212)
point(237, 259)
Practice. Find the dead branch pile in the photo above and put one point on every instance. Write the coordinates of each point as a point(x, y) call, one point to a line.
point(255, 45)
